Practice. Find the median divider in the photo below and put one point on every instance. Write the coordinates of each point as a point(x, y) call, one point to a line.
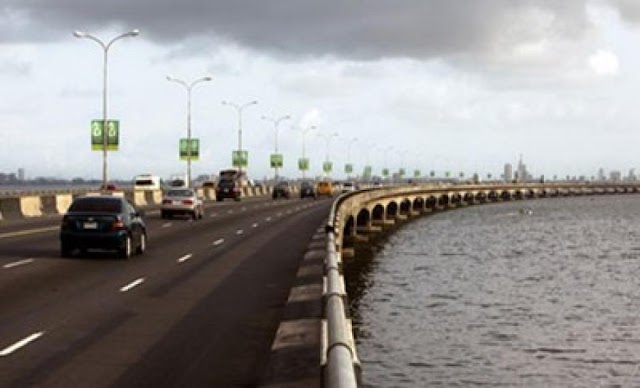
point(49, 204)
point(63, 201)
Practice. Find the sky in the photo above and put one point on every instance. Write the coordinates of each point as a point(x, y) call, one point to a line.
point(442, 85)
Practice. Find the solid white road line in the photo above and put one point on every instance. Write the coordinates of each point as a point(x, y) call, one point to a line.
point(185, 258)
point(218, 242)
point(131, 285)
point(22, 343)
point(28, 232)
point(17, 263)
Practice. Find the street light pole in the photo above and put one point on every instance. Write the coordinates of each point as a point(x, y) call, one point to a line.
point(239, 109)
point(304, 133)
point(105, 50)
point(188, 88)
point(327, 138)
point(276, 122)
point(349, 153)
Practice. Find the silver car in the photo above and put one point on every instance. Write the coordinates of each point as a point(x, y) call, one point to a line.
point(182, 201)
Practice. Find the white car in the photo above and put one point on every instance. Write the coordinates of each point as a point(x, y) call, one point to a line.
point(182, 201)
point(348, 187)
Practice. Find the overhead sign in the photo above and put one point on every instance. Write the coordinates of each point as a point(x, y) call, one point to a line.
point(327, 167)
point(276, 160)
point(97, 135)
point(367, 171)
point(385, 172)
point(348, 168)
point(416, 173)
point(432, 174)
point(401, 172)
point(189, 150)
point(303, 164)
point(240, 159)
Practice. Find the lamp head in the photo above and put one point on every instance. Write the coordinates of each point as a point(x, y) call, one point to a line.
point(134, 32)
point(79, 34)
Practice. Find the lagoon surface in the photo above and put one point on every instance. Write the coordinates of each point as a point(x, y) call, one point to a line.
point(492, 296)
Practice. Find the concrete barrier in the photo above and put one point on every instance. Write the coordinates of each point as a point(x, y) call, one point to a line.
point(148, 197)
point(157, 197)
point(139, 198)
point(210, 193)
point(31, 206)
point(63, 201)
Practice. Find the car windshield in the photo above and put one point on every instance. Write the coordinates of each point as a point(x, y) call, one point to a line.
point(180, 193)
point(99, 205)
point(306, 185)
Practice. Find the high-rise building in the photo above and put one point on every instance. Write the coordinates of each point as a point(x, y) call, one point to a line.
point(21, 174)
point(508, 172)
point(601, 174)
point(615, 176)
point(523, 175)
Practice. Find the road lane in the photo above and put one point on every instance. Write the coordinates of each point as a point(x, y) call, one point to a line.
point(78, 304)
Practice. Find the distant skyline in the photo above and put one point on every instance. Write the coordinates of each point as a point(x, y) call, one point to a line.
point(427, 84)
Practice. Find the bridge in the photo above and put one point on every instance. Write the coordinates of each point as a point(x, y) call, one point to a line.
point(252, 295)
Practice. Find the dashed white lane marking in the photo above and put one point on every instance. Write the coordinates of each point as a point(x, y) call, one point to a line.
point(218, 242)
point(131, 285)
point(17, 263)
point(239, 232)
point(185, 258)
point(213, 215)
point(230, 212)
point(243, 209)
point(167, 225)
point(255, 225)
point(268, 219)
point(279, 214)
point(20, 344)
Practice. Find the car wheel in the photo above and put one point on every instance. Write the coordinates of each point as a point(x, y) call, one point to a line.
point(194, 215)
point(125, 251)
point(201, 214)
point(66, 250)
point(142, 246)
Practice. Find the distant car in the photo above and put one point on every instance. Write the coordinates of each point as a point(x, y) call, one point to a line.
point(324, 188)
point(228, 188)
point(182, 201)
point(103, 222)
point(307, 190)
point(349, 187)
point(281, 190)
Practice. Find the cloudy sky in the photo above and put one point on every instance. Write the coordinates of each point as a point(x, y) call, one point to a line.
point(444, 85)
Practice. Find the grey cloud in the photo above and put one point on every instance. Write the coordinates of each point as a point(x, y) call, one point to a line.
point(359, 29)
point(629, 10)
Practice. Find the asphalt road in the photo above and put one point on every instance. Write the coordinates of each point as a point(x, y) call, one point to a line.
point(200, 308)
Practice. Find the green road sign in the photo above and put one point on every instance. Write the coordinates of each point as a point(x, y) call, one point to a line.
point(240, 159)
point(447, 174)
point(276, 160)
point(327, 167)
point(401, 172)
point(348, 168)
point(385, 172)
point(367, 171)
point(303, 164)
point(432, 174)
point(184, 149)
point(113, 133)
point(416, 173)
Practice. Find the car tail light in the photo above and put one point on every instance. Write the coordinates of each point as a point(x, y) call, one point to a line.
point(187, 202)
point(118, 223)
point(166, 201)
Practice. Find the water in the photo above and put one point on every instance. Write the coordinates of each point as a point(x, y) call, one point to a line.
point(491, 296)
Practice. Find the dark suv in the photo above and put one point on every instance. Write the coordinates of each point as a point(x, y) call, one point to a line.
point(307, 189)
point(103, 222)
point(281, 190)
point(228, 188)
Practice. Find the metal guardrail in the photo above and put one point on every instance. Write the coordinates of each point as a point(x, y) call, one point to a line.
point(342, 367)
